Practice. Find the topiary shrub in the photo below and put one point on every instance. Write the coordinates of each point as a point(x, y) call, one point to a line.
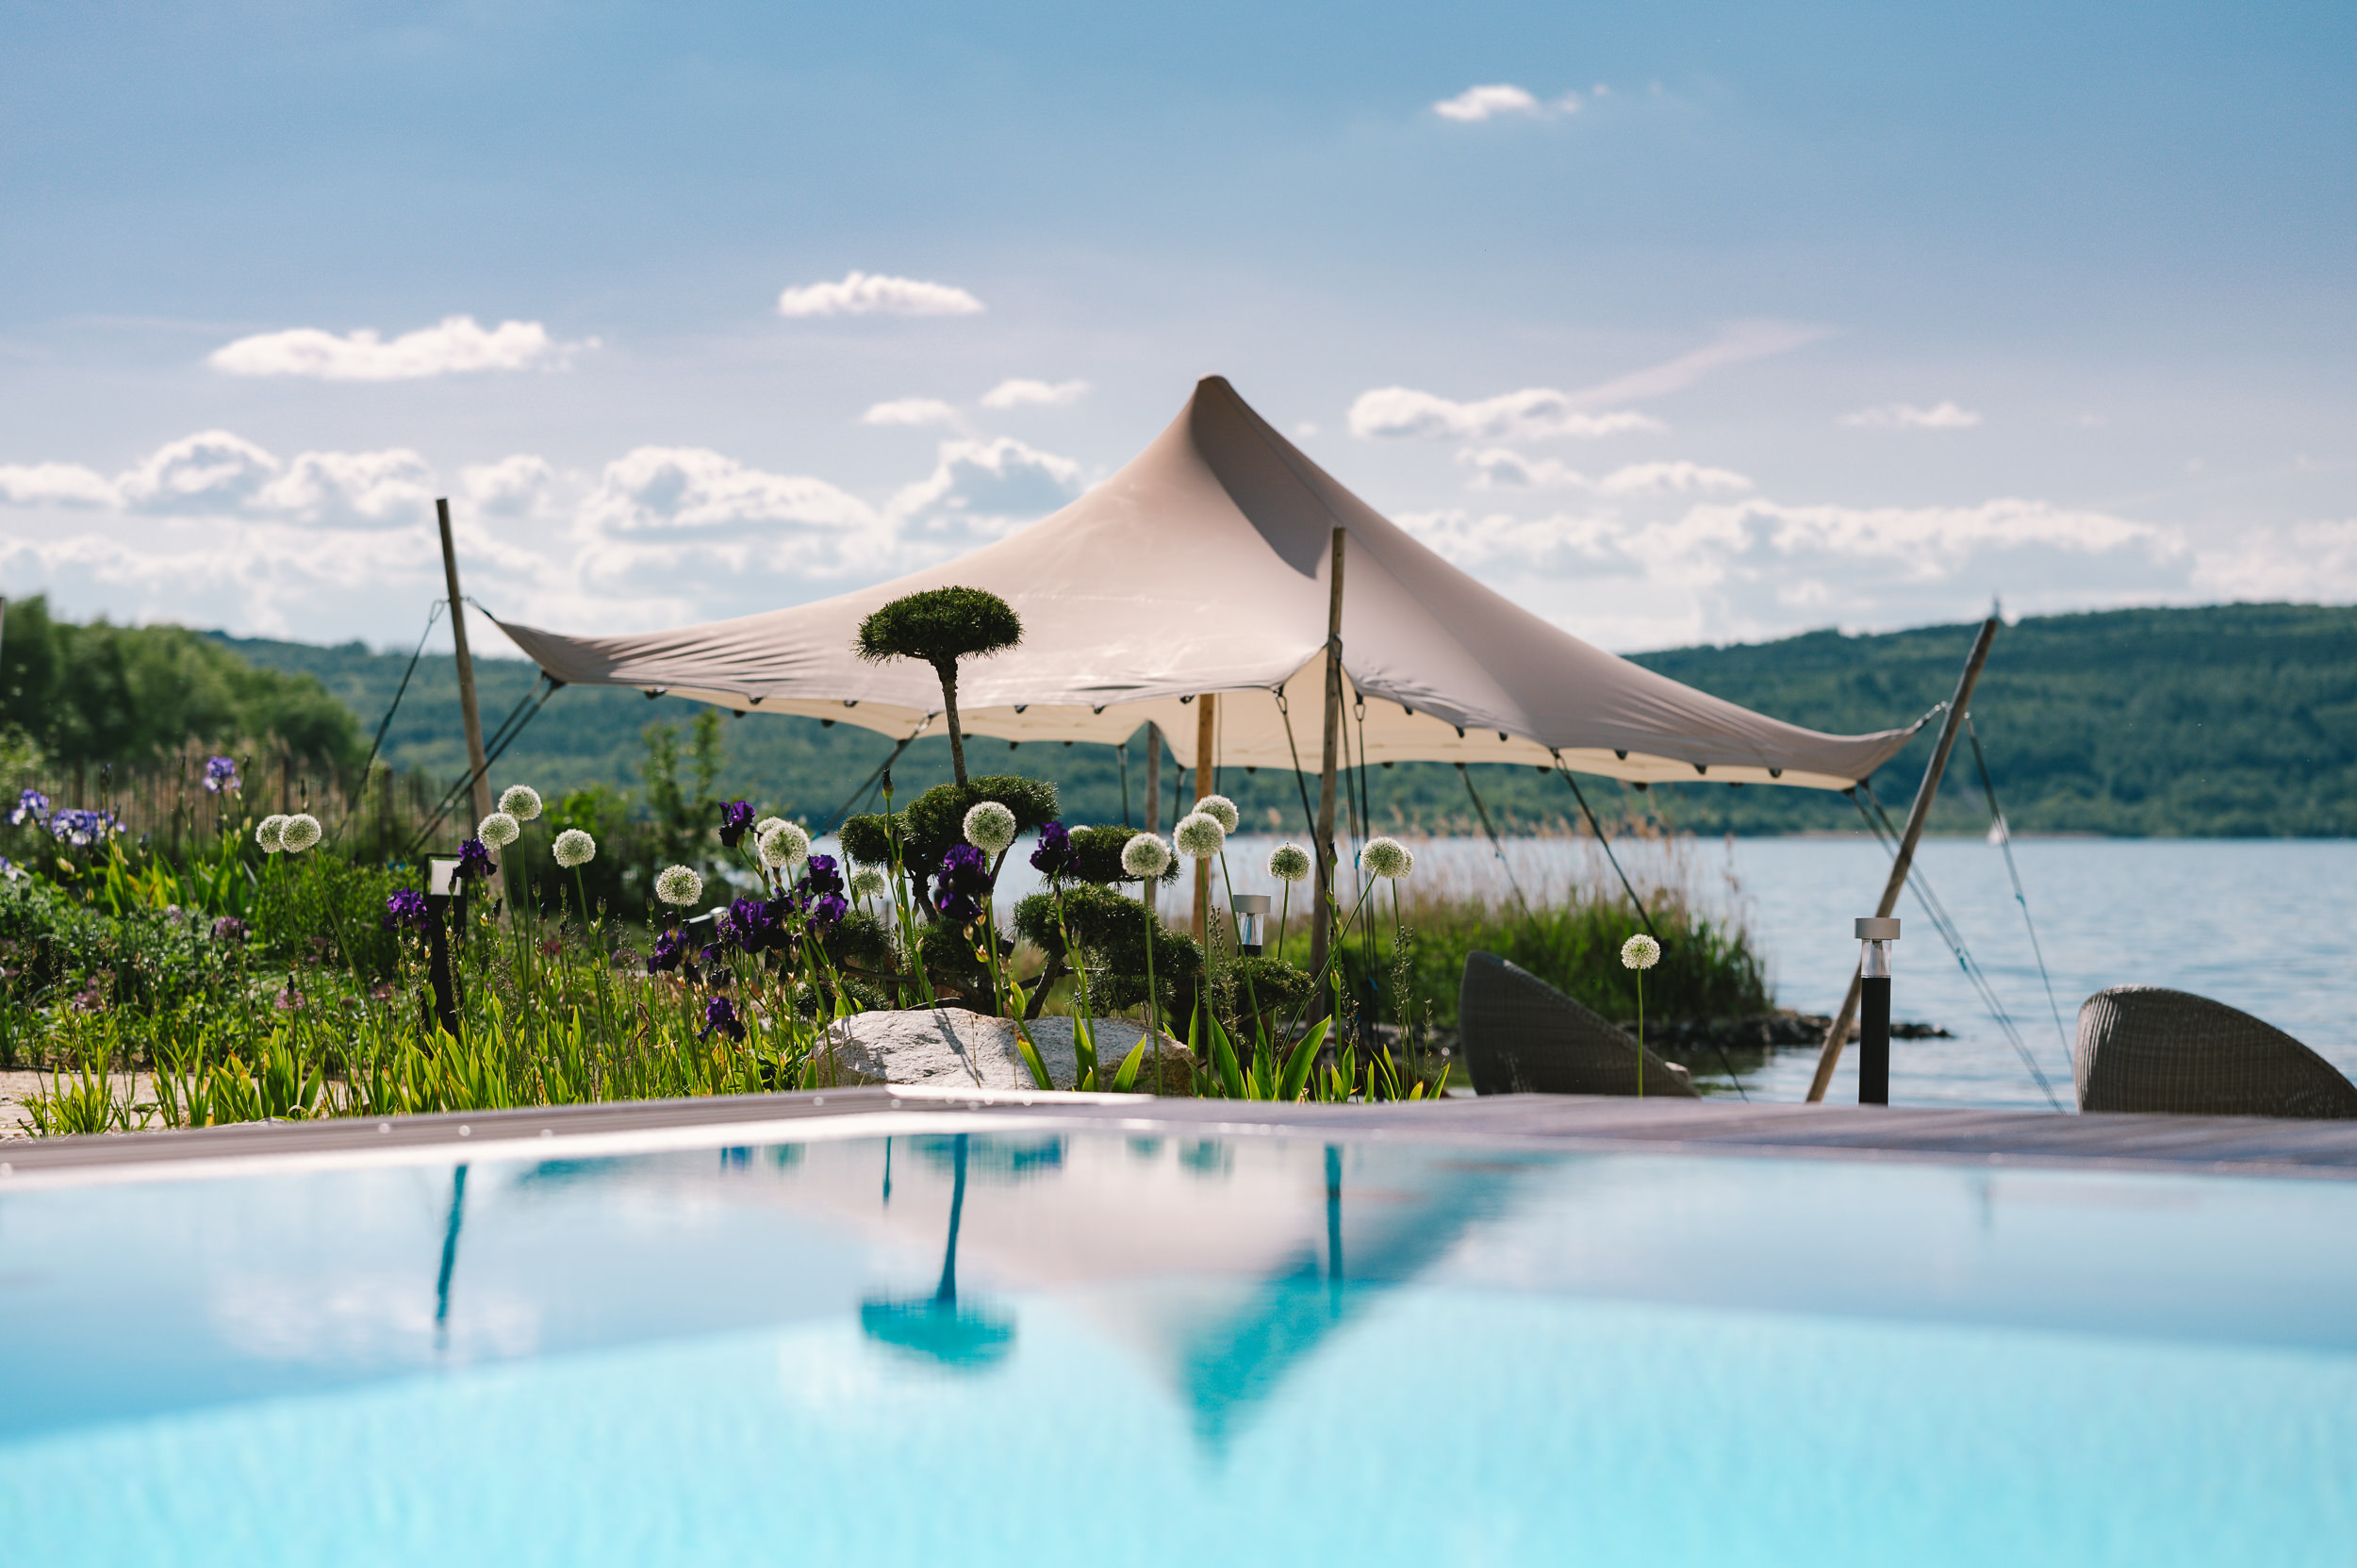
point(1110, 931)
point(941, 626)
point(1097, 856)
point(933, 823)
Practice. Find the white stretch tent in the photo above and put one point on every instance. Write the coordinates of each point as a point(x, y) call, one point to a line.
point(1203, 566)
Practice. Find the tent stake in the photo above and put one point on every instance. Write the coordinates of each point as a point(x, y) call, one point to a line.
point(466, 709)
point(1829, 1055)
point(1321, 927)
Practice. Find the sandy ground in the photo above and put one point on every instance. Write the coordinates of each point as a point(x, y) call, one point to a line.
point(14, 1087)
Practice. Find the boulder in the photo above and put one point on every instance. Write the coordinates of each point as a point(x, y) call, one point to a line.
point(949, 1047)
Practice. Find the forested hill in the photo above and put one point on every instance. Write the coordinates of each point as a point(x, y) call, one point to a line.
point(2231, 719)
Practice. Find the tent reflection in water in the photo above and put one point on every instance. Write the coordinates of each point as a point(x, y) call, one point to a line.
point(1204, 567)
point(936, 1326)
point(1221, 1266)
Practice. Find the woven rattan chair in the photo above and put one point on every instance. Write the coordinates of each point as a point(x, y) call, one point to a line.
point(2142, 1048)
point(1523, 1036)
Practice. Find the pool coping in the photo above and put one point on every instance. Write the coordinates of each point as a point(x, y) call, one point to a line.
point(2241, 1146)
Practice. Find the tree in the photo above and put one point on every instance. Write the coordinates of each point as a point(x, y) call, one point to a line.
point(941, 626)
point(99, 693)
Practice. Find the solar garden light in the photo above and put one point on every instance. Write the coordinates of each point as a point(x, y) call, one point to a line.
point(1874, 1048)
point(444, 887)
point(1251, 913)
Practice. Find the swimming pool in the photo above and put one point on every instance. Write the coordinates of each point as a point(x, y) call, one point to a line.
point(996, 1345)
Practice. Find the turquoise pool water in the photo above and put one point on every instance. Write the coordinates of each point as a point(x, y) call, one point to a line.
point(1149, 1351)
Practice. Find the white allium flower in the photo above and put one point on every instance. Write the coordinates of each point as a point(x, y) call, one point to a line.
point(266, 834)
point(678, 884)
point(1641, 952)
point(521, 801)
point(1198, 836)
point(1146, 856)
point(990, 827)
point(1288, 863)
point(782, 843)
point(575, 848)
point(299, 832)
point(1223, 808)
point(867, 882)
point(498, 829)
point(1386, 857)
point(761, 827)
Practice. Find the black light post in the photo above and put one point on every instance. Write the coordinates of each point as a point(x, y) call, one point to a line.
point(1873, 970)
point(444, 887)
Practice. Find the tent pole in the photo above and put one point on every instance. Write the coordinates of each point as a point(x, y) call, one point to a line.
point(1321, 926)
point(1153, 801)
point(1206, 782)
point(466, 709)
point(1829, 1055)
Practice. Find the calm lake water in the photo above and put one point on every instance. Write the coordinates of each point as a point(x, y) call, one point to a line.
point(2266, 925)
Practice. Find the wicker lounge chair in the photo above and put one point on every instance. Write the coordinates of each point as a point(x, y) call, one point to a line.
point(2142, 1048)
point(1523, 1036)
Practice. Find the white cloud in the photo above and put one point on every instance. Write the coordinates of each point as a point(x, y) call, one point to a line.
point(1487, 103)
point(874, 294)
point(517, 487)
point(910, 411)
point(361, 489)
point(2307, 562)
point(1003, 480)
point(1020, 394)
point(1536, 413)
point(1906, 415)
point(212, 471)
point(1718, 570)
point(55, 485)
point(457, 345)
point(1736, 344)
point(695, 488)
point(215, 473)
point(1501, 468)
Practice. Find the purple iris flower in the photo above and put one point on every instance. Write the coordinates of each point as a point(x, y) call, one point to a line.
point(720, 1014)
point(749, 926)
point(32, 806)
point(221, 773)
point(736, 818)
point(406, 908)
point(826, 912)
point(1054, 855)
point(670, 951)
point(474, 859)
point(820, 877)
point(82, 829)
point(964, 881)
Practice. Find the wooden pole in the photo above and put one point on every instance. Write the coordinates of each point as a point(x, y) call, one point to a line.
point(1321, 927)
point(1206, 782)
point(1829, 1055)
point(467, 708)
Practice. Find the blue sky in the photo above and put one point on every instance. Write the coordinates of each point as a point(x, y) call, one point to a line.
point(1676, 324)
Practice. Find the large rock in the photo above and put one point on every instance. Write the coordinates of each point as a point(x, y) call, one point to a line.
point(949, 1047)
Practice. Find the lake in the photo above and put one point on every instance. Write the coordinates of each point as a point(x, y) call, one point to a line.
point(2217, 916)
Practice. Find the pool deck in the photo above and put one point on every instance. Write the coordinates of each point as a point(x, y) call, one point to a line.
point(2250, 1146)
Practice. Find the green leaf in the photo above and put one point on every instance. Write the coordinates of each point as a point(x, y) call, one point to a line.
point(1031, 1058)
point(1304, 1057)
point(1127, 1077)
point(1223, 1054)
